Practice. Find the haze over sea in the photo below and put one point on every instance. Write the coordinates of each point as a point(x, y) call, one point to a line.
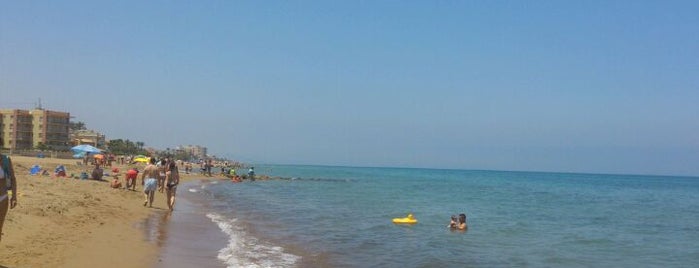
point(341, 217)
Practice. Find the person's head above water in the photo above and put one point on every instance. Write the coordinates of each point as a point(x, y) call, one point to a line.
point(462, 218)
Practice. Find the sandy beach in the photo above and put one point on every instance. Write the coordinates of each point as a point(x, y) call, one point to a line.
point(68, 222)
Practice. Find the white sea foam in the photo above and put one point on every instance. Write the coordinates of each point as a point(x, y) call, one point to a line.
point(193, 190)
point(244, 250)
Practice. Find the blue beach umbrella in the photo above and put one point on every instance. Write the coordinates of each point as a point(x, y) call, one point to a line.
point(85, 148)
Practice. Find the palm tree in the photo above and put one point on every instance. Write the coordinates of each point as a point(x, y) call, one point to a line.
point(77, 126)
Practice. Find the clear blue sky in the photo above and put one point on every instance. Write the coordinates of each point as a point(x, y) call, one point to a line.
point(596, 86)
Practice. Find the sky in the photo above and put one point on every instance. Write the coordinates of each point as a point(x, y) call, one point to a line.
point(595, 86)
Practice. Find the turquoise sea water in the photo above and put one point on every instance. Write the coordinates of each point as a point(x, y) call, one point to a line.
point(341, 217)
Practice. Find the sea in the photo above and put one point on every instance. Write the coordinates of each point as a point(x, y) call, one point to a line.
point(321, 216)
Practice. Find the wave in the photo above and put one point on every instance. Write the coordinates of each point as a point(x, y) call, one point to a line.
point(314, 179)
point(244, 250)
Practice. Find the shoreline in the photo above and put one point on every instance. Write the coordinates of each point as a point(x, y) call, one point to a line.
point(65, 222)
point(188, 237)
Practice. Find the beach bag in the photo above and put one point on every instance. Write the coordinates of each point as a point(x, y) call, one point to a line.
point(6, 169)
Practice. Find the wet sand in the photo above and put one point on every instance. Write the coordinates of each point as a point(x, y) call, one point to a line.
point(186, 237)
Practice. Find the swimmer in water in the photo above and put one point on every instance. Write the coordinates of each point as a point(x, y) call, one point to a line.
point(454, 222)
point(462, 222)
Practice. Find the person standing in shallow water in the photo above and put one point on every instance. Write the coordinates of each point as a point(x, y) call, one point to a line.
point(209, 165)
point(251, 173)
point(150, 182)
point(172, 179)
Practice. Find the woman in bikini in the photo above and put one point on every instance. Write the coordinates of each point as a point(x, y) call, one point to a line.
point(8, 182)
point(172, 179)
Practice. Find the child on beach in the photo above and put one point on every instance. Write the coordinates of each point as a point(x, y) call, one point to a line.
point(60, 171)
point(116, 184)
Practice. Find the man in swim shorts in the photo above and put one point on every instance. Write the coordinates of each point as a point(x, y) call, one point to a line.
point(150, 182)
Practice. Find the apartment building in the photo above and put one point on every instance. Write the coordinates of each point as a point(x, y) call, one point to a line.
point(90, 137)
point(195, 151)
point(24, 130)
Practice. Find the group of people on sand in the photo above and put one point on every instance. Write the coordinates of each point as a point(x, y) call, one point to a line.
point(162, 176)
point(458, 223)
point(100, 159)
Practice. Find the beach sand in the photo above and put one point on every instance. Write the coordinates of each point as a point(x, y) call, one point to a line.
point(68, 222)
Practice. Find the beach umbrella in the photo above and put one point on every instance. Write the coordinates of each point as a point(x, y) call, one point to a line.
point(142, 159)
point(79, 155)
point(85, 148)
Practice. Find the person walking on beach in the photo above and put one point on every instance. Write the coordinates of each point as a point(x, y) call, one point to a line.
point(149, 181)
point(172, 179)
point(8, 182)
point(162, 167)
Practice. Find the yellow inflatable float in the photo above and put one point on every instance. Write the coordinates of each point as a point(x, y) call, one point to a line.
point(407, 220)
